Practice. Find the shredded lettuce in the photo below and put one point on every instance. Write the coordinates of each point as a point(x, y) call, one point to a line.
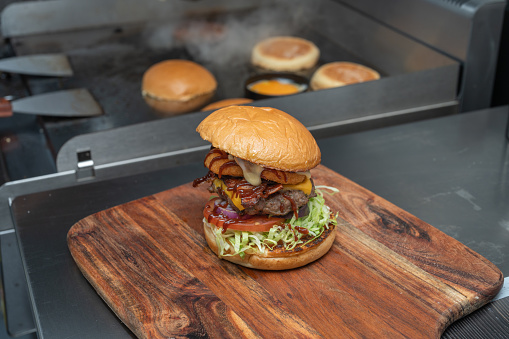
point(242, 242)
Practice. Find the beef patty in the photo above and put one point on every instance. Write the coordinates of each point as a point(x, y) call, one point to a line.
point(277, 202)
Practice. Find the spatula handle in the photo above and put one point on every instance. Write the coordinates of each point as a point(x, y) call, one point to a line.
point(5, 108)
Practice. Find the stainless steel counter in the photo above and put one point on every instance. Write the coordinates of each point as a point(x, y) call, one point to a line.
point(452, 172)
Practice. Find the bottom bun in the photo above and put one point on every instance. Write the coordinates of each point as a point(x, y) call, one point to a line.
point(278, 259)
point(173, 107)
point(226, 103)
point(337, 74)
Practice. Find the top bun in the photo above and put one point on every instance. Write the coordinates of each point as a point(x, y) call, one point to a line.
point(285, 53)
point(262, 135)
point(177, 86)
point(336, 74)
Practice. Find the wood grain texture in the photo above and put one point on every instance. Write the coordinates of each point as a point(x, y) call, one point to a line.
point(388, 274)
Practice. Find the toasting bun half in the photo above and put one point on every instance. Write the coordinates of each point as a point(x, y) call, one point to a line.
point(267, 214)
point(178, 86)
point(285, 53)
point(336, 74)
point(226, 102)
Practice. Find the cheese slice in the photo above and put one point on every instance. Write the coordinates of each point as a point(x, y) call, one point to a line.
point(218, 183)
point(252, 172)
point(306, 186)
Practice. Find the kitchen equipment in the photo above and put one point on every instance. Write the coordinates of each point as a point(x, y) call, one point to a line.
point(65, 103)
point(388, 274)
point(457, 28)
point(56, 65)
point(109, 52)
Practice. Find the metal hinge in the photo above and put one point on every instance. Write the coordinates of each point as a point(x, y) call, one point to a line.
point(85, 168)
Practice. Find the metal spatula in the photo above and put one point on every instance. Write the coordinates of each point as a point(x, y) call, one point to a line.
point(41, 64)
point(66, 103)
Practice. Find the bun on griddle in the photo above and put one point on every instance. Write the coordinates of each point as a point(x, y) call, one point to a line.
point(177, 86)
point(285, 53)
point(226, 102)
point(262, 135)
point(336, 74)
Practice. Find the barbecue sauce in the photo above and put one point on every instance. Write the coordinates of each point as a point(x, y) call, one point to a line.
point(243, 189)
point(226, 221)
point(294, 205)
point(279, 174)
point(224, 166)
point(215, 214)
point(209, 176)
point(302, 230)
point(221, 156)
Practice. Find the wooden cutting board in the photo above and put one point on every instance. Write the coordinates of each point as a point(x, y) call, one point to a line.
point(388, 273)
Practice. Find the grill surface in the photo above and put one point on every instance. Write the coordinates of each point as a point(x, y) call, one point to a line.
point(112, 71)
point(109, 60)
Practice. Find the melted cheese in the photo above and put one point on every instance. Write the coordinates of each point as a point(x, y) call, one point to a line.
point(252, 172)
point(307, 174)
point(306, 186)
point(218, 183)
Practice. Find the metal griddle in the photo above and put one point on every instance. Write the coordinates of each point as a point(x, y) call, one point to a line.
point(110, 57)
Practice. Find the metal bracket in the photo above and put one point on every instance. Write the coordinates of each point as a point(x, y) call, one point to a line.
point(85, 168)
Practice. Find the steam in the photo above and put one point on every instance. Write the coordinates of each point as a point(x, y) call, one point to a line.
point(223, 43)
point(240, 36)
point(228, 42)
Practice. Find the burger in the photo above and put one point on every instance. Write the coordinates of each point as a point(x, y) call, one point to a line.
point(266, 212)
point(341, 73)
point(285, 54)
point(177, 86)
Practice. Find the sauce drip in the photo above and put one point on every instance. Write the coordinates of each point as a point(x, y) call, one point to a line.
point(221, 155)
point(224, 166)
point(209, 176)
point(294, 205)
point(248, 193)
point(225, 221)
point(218, 215)
point(302, 230)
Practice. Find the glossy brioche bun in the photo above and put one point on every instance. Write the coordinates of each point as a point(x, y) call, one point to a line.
point(177, 86)
point(226, 102)
point(336, 74)
point(262, 135)
point(285, 53)
point(278, 259)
